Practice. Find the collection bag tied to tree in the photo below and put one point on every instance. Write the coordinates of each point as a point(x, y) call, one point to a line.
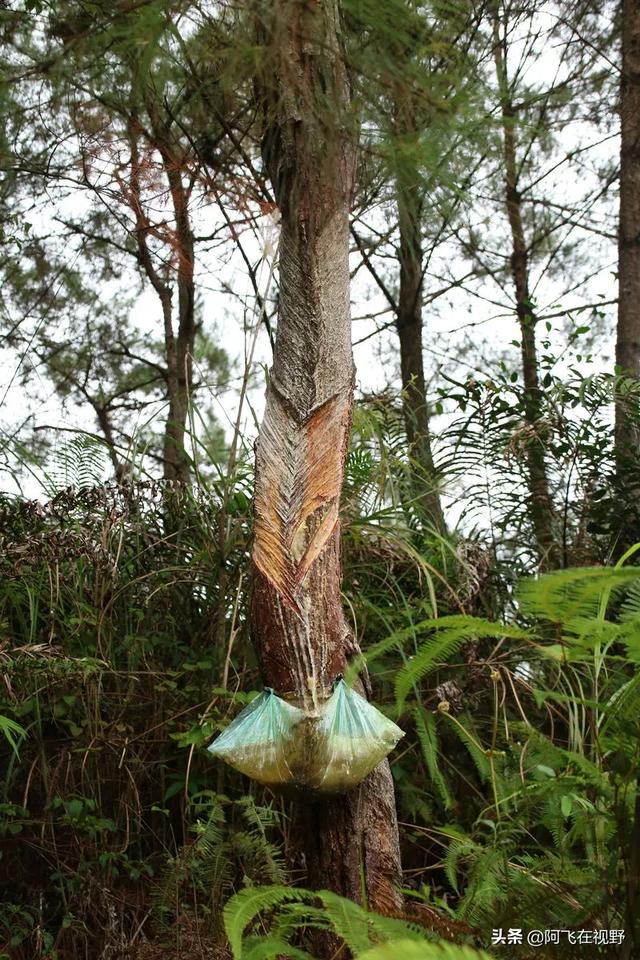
point(331, 751)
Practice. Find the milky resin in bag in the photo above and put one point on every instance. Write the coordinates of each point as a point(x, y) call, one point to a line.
point(330, 751)
point(356, 737)
point(256, 742)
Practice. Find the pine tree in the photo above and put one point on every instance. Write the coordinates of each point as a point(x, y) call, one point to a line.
point(299, 625)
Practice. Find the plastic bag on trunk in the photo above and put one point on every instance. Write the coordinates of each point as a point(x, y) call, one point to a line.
point(256, 742)
point(330, 751)
point(356, 737)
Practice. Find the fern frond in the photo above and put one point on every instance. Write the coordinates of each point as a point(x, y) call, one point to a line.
point(624, 706)
point(269, 948)
point(351, 922)
point(359, 928)
point(246, 905)
point(569, 594)
point(465, 731)
point(293, 917)
point(451, 633)
point(630, 608)
point(12, 732)
point(428, 737)
point(78, 463)
point(415, 950)
point(456, 850)
point(487, 884)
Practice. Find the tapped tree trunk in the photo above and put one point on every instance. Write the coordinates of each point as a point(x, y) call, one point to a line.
point(298, 623)
point(409, 327)
point(627, 427)
point(541, 509)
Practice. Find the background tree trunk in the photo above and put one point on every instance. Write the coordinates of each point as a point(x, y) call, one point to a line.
point(299, 627)
point(180, 353)
point(541, 507)
point(178, 371)
point(627, 428)
point(409, 327)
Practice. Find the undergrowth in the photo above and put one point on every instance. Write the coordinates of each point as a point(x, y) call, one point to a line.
point(125, 647)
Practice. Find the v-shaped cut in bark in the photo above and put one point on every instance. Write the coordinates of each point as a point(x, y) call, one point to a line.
point(300, 468)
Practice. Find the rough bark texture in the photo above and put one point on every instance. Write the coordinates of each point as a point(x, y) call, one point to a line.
point(299, 626)
point(627, 430)
point(541, 509)
point(409, 327)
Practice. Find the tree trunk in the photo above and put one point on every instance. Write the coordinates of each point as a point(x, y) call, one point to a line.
point(541, 508)
point(180, 378)
point(180, 369)
point(627, 428)
point(298, 623)
point(409, 327)
point(101, 411)
point(178, 350)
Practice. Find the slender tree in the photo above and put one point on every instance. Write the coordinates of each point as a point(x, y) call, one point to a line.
point(541, 506)
point(416, 79)
point(409, 325)
point(627, 426)
point(299, 625)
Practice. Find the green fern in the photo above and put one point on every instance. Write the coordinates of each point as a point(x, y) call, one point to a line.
point(464, 729)
point(566, 595)
point(623, 709)
point(428, 737)
point(358, 928)
point(12, 732)
point(246, 905)
point(271, 948)
point(415, 950)
point(78, 463)
point(451, 633)
point(457, 850)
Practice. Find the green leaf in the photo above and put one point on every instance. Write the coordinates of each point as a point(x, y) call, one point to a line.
point(269, 948)
point(428, 737)
point(569, 594)
point(12, 732)
point(422, 950)
point(450, 634)
point(246, 905)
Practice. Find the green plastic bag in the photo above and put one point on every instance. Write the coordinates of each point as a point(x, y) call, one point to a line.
point(328, 752)
point(256, 742)
point(357, 736)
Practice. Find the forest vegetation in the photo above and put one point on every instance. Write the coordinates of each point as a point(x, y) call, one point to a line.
point(320, 362)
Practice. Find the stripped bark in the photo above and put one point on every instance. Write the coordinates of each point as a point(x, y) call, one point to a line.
point(299, 626)
point(627, 428)
point(409, 327)
point(541, 508)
